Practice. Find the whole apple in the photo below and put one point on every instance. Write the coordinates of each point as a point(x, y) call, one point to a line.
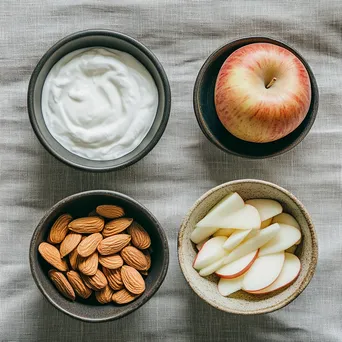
point(262, 92)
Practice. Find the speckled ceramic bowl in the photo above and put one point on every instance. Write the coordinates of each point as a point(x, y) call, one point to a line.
point(79, 205)
point(242, 302)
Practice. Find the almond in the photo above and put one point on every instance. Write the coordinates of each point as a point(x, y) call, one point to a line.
point(111, 261)
point(52, 256)
point(110, 211)
point(144, 273)
point(135, 258)
point(62, 284)
point(140, 238)
point(88, 265)
point(89, 244)
point(114, 278)
point(123, 297)
point(69, 243)
point(148, 259)
point(78, 285)
point(116, 226)
point(132, 280)
point(74, 259)
point(59, 229)
point(113, 244)
point(87, 225)
point(105, 295)
point(96, 282)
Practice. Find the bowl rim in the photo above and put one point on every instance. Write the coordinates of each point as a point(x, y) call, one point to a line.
point(313, 261)
point(99, 32)
point(196, 98)
point(156, 284)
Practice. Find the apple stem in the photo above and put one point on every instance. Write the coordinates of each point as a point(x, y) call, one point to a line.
point(271, 82)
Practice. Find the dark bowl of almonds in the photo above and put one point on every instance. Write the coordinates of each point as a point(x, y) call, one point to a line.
point(98, 255)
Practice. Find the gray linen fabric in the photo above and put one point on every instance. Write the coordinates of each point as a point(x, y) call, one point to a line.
point(180, 168)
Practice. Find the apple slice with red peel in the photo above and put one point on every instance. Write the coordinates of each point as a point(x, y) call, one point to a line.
point(237, 267)
point(229, 204)
point(292, 249)
point(288, 274)
point(262, 237)
point(267, 208)
point(224, 232)
point(266, 223)
point(235, 239)
point(211, 251)
point(284, 239)
point(246, 218)
point(200, 245)
point(228, 286)
point(264, 271)
point(289, 220)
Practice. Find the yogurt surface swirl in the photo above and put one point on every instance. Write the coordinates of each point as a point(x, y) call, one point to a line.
point(99, 103)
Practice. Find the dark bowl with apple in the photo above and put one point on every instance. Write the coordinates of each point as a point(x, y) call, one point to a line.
point(210, 123)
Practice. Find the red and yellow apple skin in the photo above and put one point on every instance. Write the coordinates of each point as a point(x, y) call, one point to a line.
point(246, 104)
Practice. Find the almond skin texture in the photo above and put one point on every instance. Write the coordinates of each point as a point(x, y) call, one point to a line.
point(96, 282)
point(88, 265)
point(132, 280)
point(113, 244)
point(148, 259)
point(70, 242)
point(134, 257)
point(62, 284)
point(110, 211)
point(116, 226)
point(123, 297)
point(140, 238)
point(52, 256)
point(59, 229)
point(87, 225)
point(78, 285)
point(105, 295)
point(89, 244)
point(111, 261)
point(74, 259)
point(114, 278)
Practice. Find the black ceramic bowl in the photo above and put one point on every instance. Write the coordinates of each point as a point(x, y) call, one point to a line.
point(103, 38)
point(79, 205)
point(212, 127)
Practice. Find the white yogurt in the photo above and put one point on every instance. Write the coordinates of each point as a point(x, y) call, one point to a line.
point(99, 103)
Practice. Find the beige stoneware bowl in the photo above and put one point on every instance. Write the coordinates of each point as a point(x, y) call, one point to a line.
point(242, 302)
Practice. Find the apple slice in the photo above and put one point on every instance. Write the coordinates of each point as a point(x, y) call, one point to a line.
point(224, 232)
point(267, 208)
point(235, 239)
point(237, 267)
point(201, 233)
point(211, 251)
point(292, 249)
point(288, 274)
point(289, 220)
point(229, 286)
point(264, 271)
point(266, 223)
point(245, 218)
point(200, 245)
point(286, 219)
point(229, 204)
point(261, 238)
point(286, 237)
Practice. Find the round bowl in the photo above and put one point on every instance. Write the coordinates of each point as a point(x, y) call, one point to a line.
point(212, 127)
point(113, 40)
point(242, 302)
point(79, 205)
